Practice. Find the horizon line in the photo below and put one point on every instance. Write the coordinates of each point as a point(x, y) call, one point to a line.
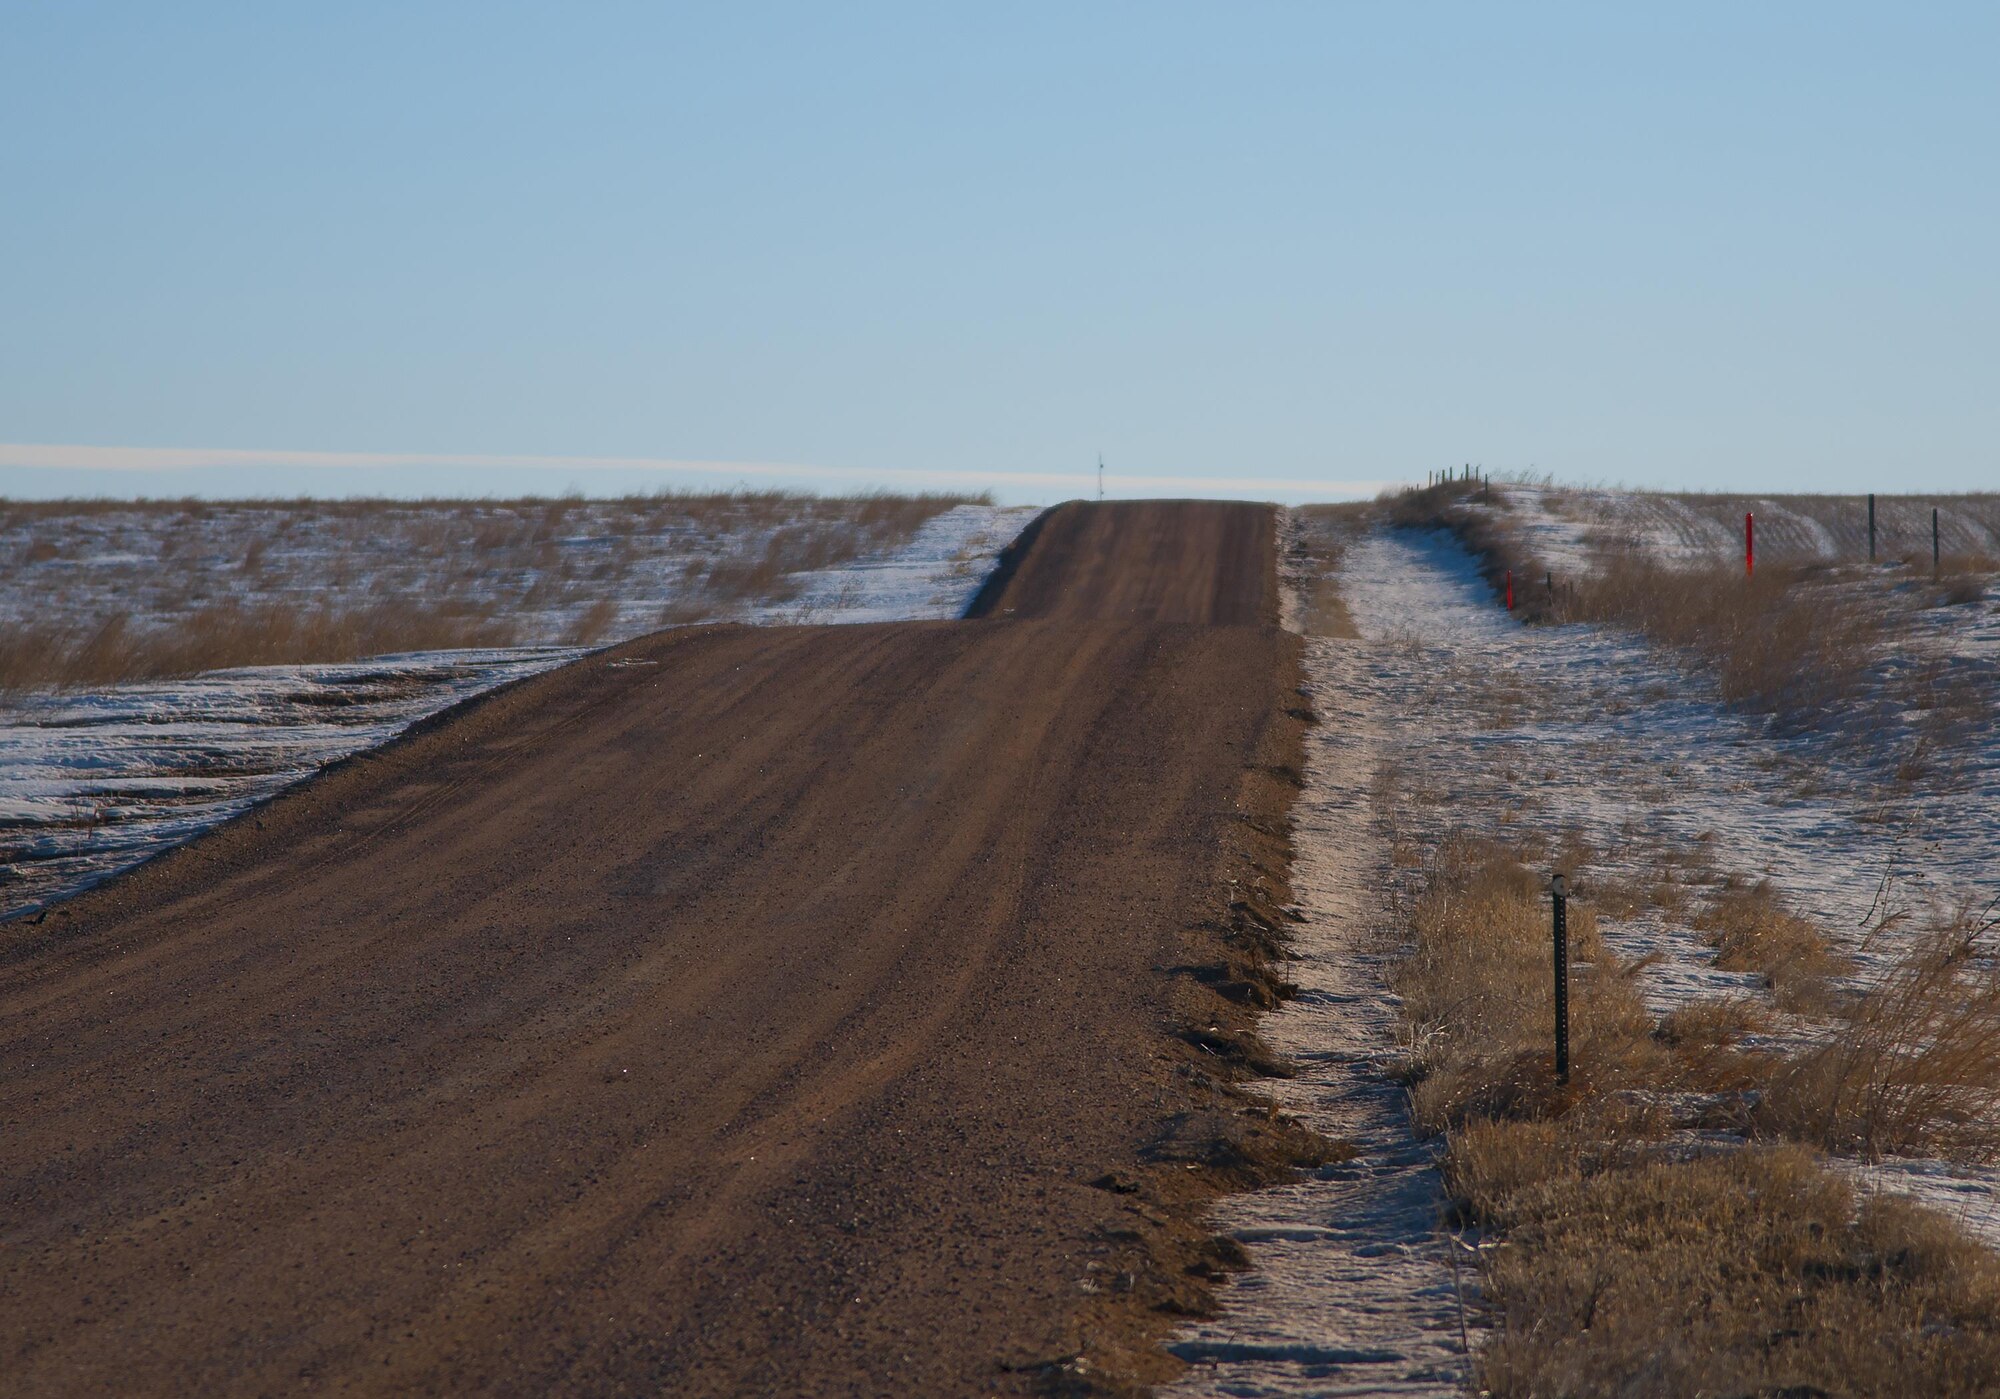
point(92, 459)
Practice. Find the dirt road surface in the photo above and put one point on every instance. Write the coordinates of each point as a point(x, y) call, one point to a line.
point(739, 1011)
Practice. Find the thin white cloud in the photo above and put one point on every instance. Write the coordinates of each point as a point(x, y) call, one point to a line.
point(170, 460)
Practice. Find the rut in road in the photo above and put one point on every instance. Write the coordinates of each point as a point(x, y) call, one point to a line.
point(739, 1010)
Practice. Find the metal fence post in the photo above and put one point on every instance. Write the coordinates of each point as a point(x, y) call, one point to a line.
point(1559, 897)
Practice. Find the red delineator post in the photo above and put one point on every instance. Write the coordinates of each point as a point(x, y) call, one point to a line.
point(1749, 545)
point(1510, 590)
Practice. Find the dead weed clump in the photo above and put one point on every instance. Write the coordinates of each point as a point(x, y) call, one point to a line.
point(1914, 1068)
point(1748, 925)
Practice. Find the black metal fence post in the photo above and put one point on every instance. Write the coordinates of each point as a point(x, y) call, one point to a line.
point(1934, 542)
point(1871, 527)
point(1559, 896)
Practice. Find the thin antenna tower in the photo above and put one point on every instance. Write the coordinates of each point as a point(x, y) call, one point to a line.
point(1100, 475)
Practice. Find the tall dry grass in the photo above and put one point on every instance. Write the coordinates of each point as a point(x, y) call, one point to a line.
point(228, 635)
point(1796, 641)
point(1476, 1001)
point(1914, 1068)
point(1623, 1256)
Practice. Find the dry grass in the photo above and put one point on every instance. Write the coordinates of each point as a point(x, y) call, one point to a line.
point(125, 590)
point(229, 635)
point(1625, 1270)
point(1476, 998)
point(1915, 1067)
point(1623, 1257)
point(1324, 533)
point(1751, 930)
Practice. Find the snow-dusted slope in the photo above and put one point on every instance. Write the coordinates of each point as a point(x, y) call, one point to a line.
point(92, 783)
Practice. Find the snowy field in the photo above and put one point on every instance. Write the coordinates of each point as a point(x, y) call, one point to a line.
point(1447, 716)
point(1578, 730)
point(543, 572)
point(92, 782)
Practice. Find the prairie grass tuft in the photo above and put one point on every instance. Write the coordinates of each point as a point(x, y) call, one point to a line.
point(1751, 930)
point(1914, 1068)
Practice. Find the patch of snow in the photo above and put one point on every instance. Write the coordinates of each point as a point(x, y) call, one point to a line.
point(933, 577)
point(1969, 1197)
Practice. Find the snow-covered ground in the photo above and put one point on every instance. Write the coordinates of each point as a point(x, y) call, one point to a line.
point(1562, 728)
point(1508, 727)
point(932, 576)
point(541, 566)
point(91, 783)
point(1448, 715)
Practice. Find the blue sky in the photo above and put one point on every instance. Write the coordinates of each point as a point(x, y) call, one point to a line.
point(1270, 249)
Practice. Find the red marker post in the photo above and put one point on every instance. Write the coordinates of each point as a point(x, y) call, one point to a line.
point(1510, 590)
point(1749, 545)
